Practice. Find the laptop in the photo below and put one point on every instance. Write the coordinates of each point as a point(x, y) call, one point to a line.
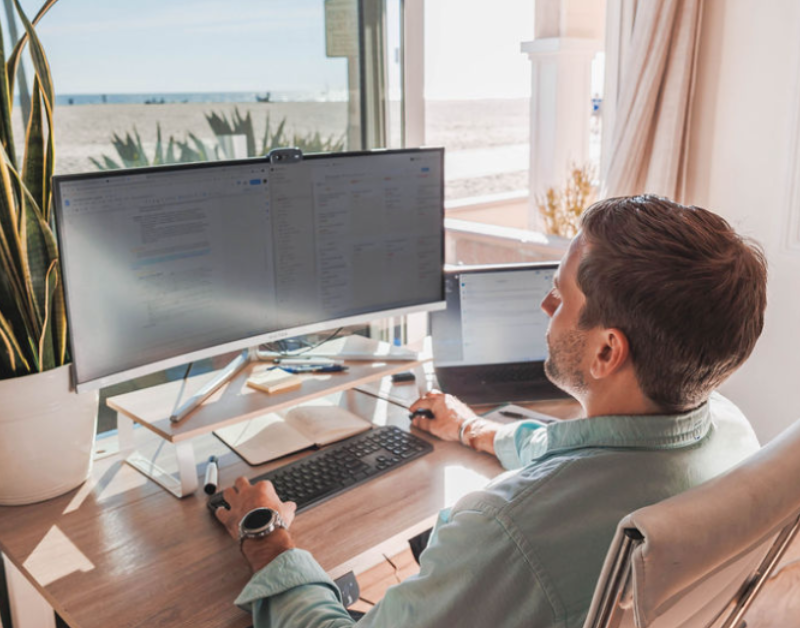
point(489, 344)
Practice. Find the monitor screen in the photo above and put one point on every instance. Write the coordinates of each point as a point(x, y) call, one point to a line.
point(494, 315)
point(167, 265)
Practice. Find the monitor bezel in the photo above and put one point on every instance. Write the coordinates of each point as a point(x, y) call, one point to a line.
point(250, 341)
point(452, 277)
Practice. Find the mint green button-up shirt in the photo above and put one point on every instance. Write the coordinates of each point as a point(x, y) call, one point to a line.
point(526, 550)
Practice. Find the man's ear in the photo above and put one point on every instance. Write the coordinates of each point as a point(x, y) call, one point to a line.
point(612, 353)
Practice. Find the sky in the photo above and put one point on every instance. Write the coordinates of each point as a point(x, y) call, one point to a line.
point(472, 48)
point(141, 46)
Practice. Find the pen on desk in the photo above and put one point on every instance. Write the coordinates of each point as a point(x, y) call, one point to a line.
point(310, 368)
point(511, 415)
point(307, 361)
point(423, 412)
point(212, 473)
point(518, 415)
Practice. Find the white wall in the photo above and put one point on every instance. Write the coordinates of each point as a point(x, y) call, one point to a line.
point(742, 166)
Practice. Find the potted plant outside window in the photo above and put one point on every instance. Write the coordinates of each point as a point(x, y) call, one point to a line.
point(46, 429)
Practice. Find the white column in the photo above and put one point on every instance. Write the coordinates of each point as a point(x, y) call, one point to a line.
point(567, 36)
point(414, 72)
point(561, 97)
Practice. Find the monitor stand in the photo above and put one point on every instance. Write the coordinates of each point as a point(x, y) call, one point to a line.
point(232, 403)
point(355, 348)
point(253, 354)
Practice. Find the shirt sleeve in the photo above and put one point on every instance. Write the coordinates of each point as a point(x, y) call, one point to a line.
point(472, 569)
point(293, 590)
point(517, 444)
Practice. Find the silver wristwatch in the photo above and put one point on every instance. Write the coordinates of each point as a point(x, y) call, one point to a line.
point(259, 523)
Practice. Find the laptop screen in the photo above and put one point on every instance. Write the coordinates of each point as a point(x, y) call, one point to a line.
point(493, 315)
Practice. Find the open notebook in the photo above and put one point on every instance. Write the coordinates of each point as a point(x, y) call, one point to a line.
point(275, 435)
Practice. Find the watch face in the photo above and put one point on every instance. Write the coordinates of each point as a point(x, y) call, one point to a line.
point(257, 519)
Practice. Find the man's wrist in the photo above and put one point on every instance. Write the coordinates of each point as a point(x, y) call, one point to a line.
point(462, 430)
point(261, 552)
point(479, 435)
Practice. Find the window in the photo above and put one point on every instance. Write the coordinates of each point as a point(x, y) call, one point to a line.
point(513, 90)
point(477, 92)
point(139, 83)
point(152, 82)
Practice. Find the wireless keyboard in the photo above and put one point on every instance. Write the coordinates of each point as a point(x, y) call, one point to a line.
point(340, 467)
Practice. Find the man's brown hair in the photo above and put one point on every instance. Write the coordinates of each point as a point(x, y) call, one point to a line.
point(685, 289)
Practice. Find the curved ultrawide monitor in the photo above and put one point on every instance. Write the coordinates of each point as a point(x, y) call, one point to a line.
point(167, 265)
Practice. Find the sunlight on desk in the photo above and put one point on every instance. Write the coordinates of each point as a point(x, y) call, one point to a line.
point(55, 557)
point(124, 480)
point(383, 387)
point(83, 492)
point(381, 412)
point(459, 481)
point(107, 480)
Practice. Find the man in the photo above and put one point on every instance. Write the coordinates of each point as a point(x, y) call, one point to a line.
point(653, 306)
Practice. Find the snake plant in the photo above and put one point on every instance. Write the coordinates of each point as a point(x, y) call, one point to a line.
point(33, 324)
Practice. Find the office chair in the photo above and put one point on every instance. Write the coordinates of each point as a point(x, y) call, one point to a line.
point(697, 560)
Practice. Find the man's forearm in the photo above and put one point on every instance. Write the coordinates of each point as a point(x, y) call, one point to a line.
point(261, 552)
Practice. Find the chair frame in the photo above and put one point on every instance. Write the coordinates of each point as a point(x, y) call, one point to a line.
point(617, 586)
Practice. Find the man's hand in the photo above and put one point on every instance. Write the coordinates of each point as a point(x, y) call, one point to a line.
point(448, 415)
point(244, 497)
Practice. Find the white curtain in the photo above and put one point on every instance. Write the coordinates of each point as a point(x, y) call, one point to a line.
point(654, 64)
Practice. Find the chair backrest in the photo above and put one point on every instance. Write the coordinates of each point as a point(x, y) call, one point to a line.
point(698, 559)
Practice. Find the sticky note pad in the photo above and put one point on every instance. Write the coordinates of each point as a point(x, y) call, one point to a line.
point(274, 381)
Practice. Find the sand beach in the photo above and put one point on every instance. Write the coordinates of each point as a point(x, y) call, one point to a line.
point(486, 140)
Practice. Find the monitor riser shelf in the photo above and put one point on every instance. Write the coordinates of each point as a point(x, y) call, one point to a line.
point(232, 403)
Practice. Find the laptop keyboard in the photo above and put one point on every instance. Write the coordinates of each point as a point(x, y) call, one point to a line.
point(511, 373)
point(340, 467)
point(498, 383)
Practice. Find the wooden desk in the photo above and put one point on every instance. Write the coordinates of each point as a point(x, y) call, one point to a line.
point(121, 551)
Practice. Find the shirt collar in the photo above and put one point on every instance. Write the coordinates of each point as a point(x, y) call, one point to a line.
point(648, 431)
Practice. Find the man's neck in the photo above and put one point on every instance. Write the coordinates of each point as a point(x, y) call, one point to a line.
point(624, 399)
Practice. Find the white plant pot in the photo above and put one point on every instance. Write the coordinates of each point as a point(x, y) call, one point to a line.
point(46, 436)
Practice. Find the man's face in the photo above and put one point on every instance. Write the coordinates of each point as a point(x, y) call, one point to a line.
point(566, 343)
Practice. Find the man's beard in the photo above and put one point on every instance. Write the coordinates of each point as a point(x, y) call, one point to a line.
point(563, 365)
